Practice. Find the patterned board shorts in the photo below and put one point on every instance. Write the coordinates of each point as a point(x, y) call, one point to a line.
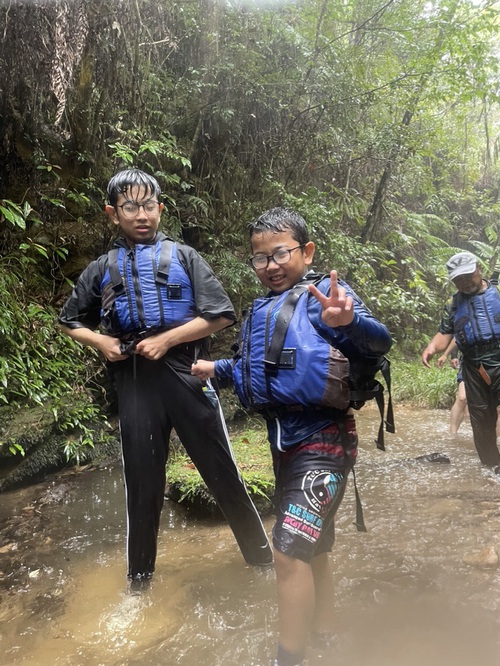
point(310, 484)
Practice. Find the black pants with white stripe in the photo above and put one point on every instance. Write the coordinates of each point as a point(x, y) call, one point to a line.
point(153, 398)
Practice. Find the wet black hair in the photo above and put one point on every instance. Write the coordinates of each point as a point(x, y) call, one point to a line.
point(123, 181)
point(279, 219)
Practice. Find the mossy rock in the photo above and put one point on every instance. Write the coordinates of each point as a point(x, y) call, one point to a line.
point(32, 447)
point(251, 450)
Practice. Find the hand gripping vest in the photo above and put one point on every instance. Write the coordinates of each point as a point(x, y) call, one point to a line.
point(305, 370)
point(145, 289)
point(476, 319)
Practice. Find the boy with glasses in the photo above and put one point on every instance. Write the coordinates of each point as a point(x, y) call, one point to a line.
point(301, 387)
point(157, 302)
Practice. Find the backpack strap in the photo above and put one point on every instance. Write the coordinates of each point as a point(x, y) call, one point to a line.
point(376, 390)
point(360, 521)
point(385, 369)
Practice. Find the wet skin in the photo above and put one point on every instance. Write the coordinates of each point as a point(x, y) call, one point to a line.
point(470, 283)
point(141, 228)
point(278, 278)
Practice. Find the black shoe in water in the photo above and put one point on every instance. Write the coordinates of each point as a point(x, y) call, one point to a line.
point(140, 582)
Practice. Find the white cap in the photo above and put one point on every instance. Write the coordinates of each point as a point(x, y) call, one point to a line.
point(463, 263)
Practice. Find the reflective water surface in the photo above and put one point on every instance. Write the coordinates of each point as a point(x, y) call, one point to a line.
point(420, 588)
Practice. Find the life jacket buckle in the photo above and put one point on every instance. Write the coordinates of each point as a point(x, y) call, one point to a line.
point(271, 366)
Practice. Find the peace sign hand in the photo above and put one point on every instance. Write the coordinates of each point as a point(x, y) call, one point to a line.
point(338, 309)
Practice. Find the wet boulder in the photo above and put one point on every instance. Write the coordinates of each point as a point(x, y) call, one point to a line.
point(32, 447)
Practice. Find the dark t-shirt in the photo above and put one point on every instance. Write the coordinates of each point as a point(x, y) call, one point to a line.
point(487, 356)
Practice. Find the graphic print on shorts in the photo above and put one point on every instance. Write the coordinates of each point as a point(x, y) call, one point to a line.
point(320, 488)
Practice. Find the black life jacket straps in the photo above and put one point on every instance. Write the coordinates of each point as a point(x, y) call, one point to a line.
point(114, 272)
point(273, 352)
point(161, 272)
point(164, 263)
point(374, 389)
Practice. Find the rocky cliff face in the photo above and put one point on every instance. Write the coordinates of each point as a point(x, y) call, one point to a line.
point(31, 447)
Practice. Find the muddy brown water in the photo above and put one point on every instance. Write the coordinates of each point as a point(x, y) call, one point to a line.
point(420, 588)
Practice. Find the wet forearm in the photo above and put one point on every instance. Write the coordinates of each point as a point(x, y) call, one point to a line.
point(85, 336)
point(195, 329)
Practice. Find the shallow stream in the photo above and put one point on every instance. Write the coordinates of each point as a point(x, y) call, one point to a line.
point(420, 588)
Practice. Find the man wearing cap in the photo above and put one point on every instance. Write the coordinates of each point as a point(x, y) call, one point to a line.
point(472, 317)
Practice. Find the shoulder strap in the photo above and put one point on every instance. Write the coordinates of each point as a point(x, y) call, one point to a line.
point(161, 273)
point(165, 261)
point(114, 272)
point(273, 353)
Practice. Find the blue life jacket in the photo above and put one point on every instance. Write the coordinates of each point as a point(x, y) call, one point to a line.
point(145, 289)
point(283, 363)
point(476, 319)
point(307, 370)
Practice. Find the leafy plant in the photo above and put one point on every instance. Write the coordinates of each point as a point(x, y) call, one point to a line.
point(16, 448)
point(17, 214)
point(41, 366)
point(413, 383)
point(251, 451)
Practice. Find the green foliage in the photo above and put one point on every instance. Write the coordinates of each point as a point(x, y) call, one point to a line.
point(251, 450)
point(158, 156)
point(16, 448)
point(16, 214)
point(413, 383)
point(84, 423)
point(38, 364)
point(237, 108)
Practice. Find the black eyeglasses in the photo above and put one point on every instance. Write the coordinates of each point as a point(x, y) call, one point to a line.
point(279, 257)
point(131, 208)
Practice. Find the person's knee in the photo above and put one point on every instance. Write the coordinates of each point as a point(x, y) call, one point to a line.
point(321, 562)
point(283, 561)
point(286, 566)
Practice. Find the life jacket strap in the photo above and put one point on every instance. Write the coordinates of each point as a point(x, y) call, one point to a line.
point(480, 347)
point(164, 263)
point(114, 272)
point(273, 352)
point(161, 272)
